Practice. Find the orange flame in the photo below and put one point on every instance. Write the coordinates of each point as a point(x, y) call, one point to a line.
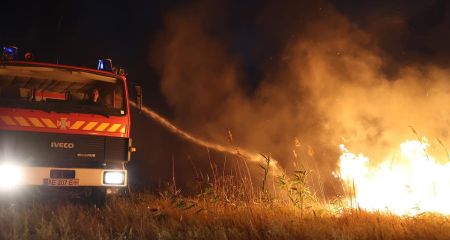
point(410, 184)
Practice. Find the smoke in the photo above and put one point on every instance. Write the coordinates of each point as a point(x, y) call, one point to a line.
point(248, 156)
point(328, 81)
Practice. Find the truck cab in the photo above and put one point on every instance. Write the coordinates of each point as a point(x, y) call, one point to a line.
point(63, 127)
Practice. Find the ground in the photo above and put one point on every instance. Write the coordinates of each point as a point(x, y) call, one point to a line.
point(172, 216)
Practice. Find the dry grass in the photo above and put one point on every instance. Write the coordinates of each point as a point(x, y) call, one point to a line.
point(226, 207)
point(146, 216)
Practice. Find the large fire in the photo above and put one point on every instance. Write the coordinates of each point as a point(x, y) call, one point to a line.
point(410, 183)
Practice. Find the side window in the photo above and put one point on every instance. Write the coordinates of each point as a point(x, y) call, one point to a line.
point(118, 97)
point(107, 96)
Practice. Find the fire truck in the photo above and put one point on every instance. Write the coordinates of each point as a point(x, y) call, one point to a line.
point(63, 127)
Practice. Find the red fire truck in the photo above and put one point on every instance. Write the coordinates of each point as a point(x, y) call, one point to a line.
point(63, 127)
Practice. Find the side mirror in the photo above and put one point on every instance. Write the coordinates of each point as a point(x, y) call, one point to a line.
point(138, 97)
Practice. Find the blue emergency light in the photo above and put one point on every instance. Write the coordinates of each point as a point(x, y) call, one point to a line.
point(105, 65)
point(9, 53)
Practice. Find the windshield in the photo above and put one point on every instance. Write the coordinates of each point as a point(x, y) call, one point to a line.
point(61, 90)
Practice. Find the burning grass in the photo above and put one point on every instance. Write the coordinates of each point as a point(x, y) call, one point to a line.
point(414, 182)
point(146, 216)
point(233, 206)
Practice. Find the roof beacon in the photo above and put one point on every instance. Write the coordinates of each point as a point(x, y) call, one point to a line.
point(9, 53)
point(105, 65)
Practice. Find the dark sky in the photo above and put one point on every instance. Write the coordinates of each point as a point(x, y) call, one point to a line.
point(80, 32)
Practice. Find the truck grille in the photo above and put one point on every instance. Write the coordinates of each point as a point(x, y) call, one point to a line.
point(61, 150)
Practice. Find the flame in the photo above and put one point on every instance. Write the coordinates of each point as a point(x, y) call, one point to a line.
point(410, 184)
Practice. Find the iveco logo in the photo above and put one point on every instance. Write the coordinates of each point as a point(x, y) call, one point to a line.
point(61, 145)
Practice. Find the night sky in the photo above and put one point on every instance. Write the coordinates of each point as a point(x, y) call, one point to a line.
point(254, 32)
point(79, 32)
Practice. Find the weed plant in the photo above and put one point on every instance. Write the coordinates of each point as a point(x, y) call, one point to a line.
point(223, 208)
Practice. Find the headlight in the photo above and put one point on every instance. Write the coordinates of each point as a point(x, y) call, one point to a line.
point(114, 177)
point(10, 176)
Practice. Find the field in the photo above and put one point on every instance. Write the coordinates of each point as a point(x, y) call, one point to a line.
point(207, 216)
point(220, 207)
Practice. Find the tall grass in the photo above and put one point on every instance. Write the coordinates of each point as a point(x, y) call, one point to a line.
point(225, 206)
point(144, 216)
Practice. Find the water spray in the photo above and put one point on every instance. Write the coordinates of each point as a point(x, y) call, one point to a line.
point(245, 154)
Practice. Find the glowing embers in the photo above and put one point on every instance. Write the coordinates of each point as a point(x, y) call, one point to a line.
point(409, 184)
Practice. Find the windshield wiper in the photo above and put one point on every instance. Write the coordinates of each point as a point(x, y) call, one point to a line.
point(100, 113)
point(57, 108)
point(81, 109)
point(86, 111)
point(45, 109)
point(26, 105)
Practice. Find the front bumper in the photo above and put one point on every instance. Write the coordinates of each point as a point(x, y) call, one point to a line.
point(83, 177)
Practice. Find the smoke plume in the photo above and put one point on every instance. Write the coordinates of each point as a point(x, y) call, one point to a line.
point(328, 81)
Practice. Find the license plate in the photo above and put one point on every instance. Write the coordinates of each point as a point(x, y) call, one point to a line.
point(60, 182)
